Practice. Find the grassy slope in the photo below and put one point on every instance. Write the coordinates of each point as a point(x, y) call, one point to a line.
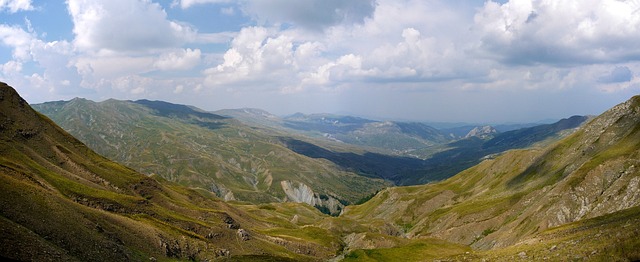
point(61, 201)
point(250, 162)
point(503, 201)
point(611, 237)
point(510, 206)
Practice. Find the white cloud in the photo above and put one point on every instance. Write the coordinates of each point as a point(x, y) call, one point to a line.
point(125, 26)
point(51, 58)
point(560, 32)
point(255, 55)
point(183, 59)
point(215, 38)
point(17, 39)
point(113, 66)
point(179, 89)
point(116, 41)
point(131, 84)
point(13, 6)
point(11, 67)
point(381, 49)
point(184, 4)
point(405, 49)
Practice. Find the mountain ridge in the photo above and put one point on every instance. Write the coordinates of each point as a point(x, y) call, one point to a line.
point(574, 199)
point(61, 201)
point(205, 150)
point(504, 201)
point(413, 152)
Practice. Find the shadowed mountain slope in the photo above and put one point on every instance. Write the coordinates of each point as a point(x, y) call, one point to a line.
point(385, 137)
point(205, 150)
point(457, 156)
point(259, 164)
point(465, 153)
point(590, 179)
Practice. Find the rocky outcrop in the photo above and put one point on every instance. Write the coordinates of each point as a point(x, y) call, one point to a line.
point(243, 234)
point(222, 192)
point(301, 193)
point(483, 132)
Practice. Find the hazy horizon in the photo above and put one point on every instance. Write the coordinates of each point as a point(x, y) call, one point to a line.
point(515, 61)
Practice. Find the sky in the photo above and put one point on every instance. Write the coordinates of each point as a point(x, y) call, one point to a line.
point(419, 60)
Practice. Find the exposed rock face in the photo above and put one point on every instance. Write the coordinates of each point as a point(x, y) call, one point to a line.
point(595, 171)
point(222, 192)
point(298, 192)
point(483, 132)
point(243, 234)
point(301, 193)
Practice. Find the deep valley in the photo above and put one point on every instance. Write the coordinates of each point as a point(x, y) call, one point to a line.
point(156, 181)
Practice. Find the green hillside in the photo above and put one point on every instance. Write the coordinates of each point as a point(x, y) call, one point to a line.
point(587, 178)
point(60, 201)
point(575, 199)
point(204, 150)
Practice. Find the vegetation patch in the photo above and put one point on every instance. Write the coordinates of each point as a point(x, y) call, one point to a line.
point(418, 250)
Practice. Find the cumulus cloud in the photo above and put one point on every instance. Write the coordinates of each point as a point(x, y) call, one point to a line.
point(419, 58)
point(560, 32)
point(183, 59)
point(381, 49)
point(11, 67)
point(125, 26)
point(125, 49)
point(52, 59)
point(13, 6)
point(18, 40)
point(254, 51)
point(116, 41)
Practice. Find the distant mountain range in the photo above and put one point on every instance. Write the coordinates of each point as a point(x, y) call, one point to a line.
point(562, 199)
point(222, 149)
point(60, 201)
point(239, 153)
point(397, 138)
point(204, 150)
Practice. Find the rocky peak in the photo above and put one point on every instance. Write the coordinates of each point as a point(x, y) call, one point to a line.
point(483, 132)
